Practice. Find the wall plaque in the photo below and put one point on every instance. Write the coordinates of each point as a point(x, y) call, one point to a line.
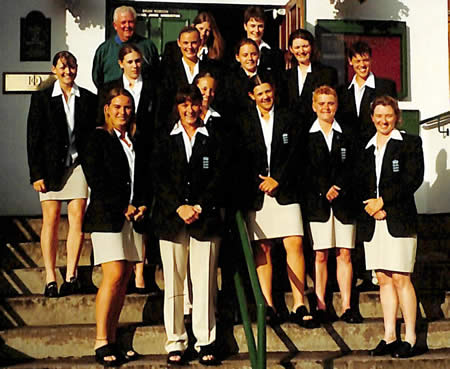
point(19, 83)
point(35, 37)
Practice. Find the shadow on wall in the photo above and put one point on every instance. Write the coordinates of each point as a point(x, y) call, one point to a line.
point(387, 9)
point(439, 191)
point(85, 17)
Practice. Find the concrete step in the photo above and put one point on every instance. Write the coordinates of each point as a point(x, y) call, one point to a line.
point(31, 281)
point(77, 340)
point(29, 255)
point(23, 229)
point(433, 359)
point(37, 310)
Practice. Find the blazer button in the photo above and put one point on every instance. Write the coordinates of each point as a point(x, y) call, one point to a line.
point(186, 200)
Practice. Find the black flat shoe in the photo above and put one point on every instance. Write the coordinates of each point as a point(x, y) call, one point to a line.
point(272, 318)
point(70, 288)
point(172, 354)
point(405, 350)
point(300, 315)
point(51, 290)
point(208, 350)
point(324, 316)
point(107, 350)
point(352, 316)
point(384, 348)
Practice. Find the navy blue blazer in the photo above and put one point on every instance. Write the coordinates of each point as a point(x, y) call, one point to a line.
point(108, 176)
point(48, 137)
point(347, 106)
point(285, 156)
point(324, 169)
point(401, 175)
point(177, 182)
point(302, 104)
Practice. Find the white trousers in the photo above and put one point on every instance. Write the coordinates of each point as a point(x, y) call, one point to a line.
point(202, 257)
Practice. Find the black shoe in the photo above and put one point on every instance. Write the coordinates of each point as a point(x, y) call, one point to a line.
point(172, 354)
point(324, 316)
point(351, 316)
point(107, 350)
point(51, 290)
point(208, 350)
point(272, 318)
point(299, 316)
point(384, 348)
point(405, 350)
point(70, 288)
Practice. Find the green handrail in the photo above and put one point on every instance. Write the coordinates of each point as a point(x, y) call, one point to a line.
point(257, 353)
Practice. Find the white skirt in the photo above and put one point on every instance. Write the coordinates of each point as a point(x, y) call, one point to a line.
point(275, 220)
point(332, 233)
point(75, 187)
point(124, 245)
point(395, 254)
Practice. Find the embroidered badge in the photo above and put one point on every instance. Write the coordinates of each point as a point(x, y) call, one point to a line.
point(205, 162)
point(343, 154)
point(395, 166)
point(285, 138)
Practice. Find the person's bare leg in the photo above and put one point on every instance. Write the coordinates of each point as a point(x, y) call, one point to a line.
point(139, 280)
point(263, 261)
point(75, 236)
point(389, 303)
point(408, 304)
point(51, 210)
point(344, 274)
point(321, 277)
point(295, 269)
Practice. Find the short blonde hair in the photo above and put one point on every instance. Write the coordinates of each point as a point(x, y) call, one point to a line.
point(324, 90)
point(124, 9)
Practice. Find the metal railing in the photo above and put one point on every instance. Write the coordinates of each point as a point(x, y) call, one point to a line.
point(439, 121)
point(257, 352)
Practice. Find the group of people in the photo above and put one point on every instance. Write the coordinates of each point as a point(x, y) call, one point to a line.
point(172, 149)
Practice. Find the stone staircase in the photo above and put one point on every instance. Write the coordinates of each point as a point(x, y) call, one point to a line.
point(37, 332)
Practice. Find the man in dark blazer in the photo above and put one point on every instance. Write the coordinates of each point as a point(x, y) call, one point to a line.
point(355, 99)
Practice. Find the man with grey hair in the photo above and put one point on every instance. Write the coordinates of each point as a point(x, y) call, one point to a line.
point(106, 67)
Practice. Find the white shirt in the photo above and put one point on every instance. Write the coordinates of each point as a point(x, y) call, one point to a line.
point(379, 152)
point(69, 109)
point(134, 91)
point(131, 156)
point(301, 79)
point(267, 129)
point(203, 52)
point(210, 113)
point(188, 142)
point(190, 76)
point(359, 91)
point(328, 139)
point(261, 45)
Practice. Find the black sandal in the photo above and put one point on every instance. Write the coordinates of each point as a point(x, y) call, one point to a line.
point(175, 362)
point(129, 354)
point(299, 317)
point(208, 350)
point(104, 351)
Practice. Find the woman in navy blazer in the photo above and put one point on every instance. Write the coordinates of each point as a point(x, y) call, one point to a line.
point(329, 200)
point(307, 68)
point(189, 166)
point(392, 168)
point(117, 201)
point(269, 149)
point(55, 151)
point(144, 93)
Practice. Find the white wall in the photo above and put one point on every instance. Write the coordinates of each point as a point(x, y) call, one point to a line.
point(429, 76)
